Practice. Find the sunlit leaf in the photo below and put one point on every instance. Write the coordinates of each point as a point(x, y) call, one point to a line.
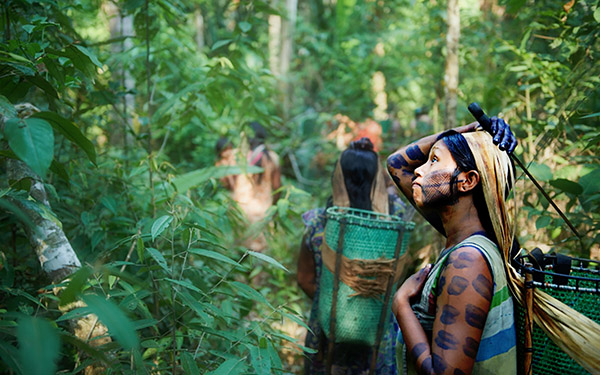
point(39, 346)
point(116, 321)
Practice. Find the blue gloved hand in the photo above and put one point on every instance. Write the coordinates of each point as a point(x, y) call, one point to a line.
point(503, 136)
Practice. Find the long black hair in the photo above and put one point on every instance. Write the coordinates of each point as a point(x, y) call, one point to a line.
point(359, 166)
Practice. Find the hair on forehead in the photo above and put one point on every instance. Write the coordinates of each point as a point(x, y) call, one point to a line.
point(460, 150)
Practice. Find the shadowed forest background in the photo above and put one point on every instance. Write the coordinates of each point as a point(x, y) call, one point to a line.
point(109, 116)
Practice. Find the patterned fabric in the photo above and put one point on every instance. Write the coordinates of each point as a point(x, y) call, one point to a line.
point(349, 359)
point(497, 352)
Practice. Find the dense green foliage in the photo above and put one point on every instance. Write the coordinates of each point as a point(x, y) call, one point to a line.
point(125, 141)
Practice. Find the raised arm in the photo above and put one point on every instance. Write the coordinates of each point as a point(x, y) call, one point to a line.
point(402, 164)
point(465, 290)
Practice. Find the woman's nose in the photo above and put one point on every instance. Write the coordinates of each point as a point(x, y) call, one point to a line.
point(419, 172)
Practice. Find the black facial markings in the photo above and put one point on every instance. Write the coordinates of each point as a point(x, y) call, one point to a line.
point(458, 371)
point(426, 366)
point(397, 161)
point(439, 364)
point(415, 153)
point(475, 316)
point(407, 172)
point(457, 285)
point(417, 350)
point(483, 286)
point(470, 347)
point(439, 188)
point(463, 260)
point(448, 315)
point(446, 340)
point(396, 179)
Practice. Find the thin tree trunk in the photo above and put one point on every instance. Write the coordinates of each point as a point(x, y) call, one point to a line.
point(274, 43)
point(199, 26)
point(451, 73)
point(287, 47)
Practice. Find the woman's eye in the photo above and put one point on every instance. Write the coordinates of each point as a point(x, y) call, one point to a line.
point(434, 159)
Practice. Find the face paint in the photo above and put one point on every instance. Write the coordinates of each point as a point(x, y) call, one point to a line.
point(440, 188)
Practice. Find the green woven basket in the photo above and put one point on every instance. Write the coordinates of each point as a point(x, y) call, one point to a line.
point(580, 290)
point(368, 235)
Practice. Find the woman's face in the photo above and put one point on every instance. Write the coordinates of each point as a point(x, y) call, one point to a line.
point(435, 182)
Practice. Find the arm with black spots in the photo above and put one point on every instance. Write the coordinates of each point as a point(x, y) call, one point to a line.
point(462, 305)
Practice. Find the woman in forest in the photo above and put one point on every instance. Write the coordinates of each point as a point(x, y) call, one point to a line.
point(456, 317)
point(357, 182)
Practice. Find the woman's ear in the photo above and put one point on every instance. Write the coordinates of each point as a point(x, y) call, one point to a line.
point(469, 181)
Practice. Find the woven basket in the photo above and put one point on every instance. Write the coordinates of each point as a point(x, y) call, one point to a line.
point(368, 235)
point(580, 289)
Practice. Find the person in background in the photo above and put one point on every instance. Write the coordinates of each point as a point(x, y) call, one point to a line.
point(254, 193)
point(456, 316)
point(358, 183)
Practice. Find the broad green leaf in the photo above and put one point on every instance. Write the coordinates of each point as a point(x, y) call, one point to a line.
point(32, 140)
point(567, 186)
point(43, 84)
point(90, 55)
point(158, 257)
point(160, 225)
point(597, 113)
point(78, 280)
point(597, 14)
point(250, 292)
point(188, 363)
point(244, 26)
point(10, 357)
point(228, 367)
point(260, 358)
point(214, 255)
point(185, 284)
point(39, 346)
point(116, 321)
point(591, 182)
point(85, 347)
point(540, 171)
point(542, 222)
point(267, 259)
point(198, 307)
point(70, 131)
point(192, 179)
point(140, 249)
point(220, 43)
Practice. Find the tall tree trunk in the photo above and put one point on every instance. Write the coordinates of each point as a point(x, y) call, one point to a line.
point(199, 26)
point(288, 27)
point(120, 26)
point(451, 72)
point(378, 89)
point(274, 43)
